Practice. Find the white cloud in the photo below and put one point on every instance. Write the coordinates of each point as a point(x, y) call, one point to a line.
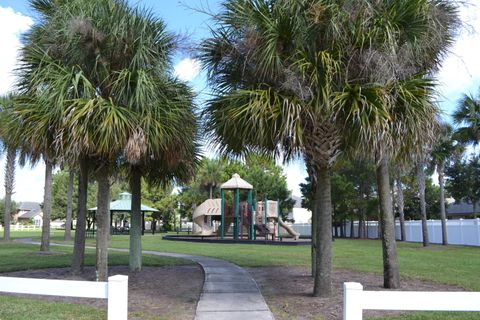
point(187, 69)
point(461, 69)
point(12, 24)
point(29, 182)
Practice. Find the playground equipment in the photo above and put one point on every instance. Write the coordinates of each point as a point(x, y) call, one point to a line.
point(247, 219)
point(205, 215)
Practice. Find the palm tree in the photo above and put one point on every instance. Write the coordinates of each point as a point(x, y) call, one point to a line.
point(467, 116)
point(210, 174)
point(291, 76)
point(101, 69)
point(445, 149)
point(163, 161)
point(6, 104)
point(420, 167)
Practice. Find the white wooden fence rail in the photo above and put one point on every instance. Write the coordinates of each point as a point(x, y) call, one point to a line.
point(21, 227)
point(115, 290)
point(355, 300)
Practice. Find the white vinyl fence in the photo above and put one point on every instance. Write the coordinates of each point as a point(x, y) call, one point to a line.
point(460, 232)
point(355, 300)
point(21, 227)
point(115, 290)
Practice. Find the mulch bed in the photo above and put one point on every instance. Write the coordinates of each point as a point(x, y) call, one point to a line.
point(288, 292)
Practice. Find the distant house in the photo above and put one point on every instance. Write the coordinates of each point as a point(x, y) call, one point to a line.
point(29, 212)
point(299, 214)
point(461, 210)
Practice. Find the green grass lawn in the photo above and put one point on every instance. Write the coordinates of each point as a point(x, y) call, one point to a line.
point(13, 308)
point(451, 265)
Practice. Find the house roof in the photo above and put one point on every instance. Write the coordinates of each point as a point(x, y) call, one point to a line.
point(236, 183)
point(124, 204)
point(31, 209)
point(31, 214)
point(298, 202)
point(28, 206)
point(461, 208)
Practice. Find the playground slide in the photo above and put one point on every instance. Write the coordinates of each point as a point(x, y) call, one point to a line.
point(290, 231)
point(206, 229)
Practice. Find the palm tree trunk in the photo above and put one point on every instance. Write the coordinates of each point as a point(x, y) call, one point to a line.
point(68, 220)
point(391, 277)
point(79, 245)
point(9, 183)
point(314, 241)
point(423, 205)
point(211, 191)
point(401, 208)
point(443, 216)
point(323, 211)
point(135, 259)
point(103, 223)
point(47, 206)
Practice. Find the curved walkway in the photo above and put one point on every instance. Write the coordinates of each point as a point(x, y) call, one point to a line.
point(229, 292)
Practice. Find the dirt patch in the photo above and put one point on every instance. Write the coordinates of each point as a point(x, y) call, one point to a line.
point(169, 292)
point(288, 292)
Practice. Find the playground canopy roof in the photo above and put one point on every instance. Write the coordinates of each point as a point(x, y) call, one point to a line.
point(124, 204)
point(236, 183)
point(210, 207)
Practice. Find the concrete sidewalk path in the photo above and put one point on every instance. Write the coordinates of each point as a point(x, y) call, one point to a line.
point(229, 292)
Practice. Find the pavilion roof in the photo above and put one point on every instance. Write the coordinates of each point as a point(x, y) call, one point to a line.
point(124, 204)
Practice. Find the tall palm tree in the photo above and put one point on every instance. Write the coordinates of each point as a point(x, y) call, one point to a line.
point(165, 159)
point(101, 69)
point(445, 149)
point(6, 106)
point(210, 174)
point(291, 76)
point(467, 117)
point(420, 167)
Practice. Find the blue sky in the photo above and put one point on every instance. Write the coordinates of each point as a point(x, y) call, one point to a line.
point(460, 71)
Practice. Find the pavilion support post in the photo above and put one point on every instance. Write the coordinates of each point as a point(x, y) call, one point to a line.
point(222, 212)
point(111, 222)
point(265, 217)
point(278, 218)
point(237, 211)
point(252, 217)
point(143, 223)
point(255, 211)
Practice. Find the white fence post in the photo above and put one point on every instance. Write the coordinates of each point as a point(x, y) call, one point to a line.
point(118, 297)
point(478, 230)
point(352, 301)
